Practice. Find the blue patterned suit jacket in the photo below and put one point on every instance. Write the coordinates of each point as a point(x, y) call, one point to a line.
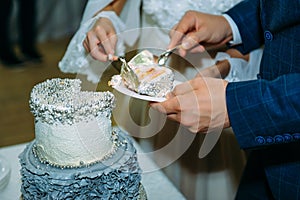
point(265, 113)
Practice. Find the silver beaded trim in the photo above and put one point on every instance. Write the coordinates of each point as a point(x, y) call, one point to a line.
point(61, 101)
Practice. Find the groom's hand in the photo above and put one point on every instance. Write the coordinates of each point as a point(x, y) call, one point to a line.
point(199, 104)
point(195, 31)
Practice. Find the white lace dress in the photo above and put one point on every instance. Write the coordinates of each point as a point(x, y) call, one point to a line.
point(196, 178)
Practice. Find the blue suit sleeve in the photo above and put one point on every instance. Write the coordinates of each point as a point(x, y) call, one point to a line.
point(265, 112)
point(246, 15)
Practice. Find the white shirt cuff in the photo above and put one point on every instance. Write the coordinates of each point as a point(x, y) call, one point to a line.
point(235, 31)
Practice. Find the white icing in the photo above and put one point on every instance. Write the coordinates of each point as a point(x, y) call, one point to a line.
point(72, 145)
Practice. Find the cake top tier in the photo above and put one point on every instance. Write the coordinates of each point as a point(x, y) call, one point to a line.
point(62, 101)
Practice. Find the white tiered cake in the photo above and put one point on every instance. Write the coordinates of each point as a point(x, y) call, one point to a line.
point(76, 152)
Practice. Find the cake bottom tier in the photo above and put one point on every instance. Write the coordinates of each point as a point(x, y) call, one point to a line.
point(117, 177)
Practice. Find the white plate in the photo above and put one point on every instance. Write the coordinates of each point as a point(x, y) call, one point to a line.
point(123, 89)
point(4, 172)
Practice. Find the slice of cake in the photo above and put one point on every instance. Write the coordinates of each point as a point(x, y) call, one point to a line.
point(76, 153)
point(153, 80)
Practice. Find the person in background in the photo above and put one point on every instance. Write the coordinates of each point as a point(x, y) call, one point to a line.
point(26, 27)
point(263, 113)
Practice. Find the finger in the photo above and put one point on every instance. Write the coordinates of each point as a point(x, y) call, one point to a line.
point(170, 95)
point(189, 41)
point(114, 58)
point(113, 41)
point(182, 52)
point(93, 43)
point(172, 31)
point(176, 38)
point(169, 106)
point(99, 54)
point(106, 42)
point(178, 103)
point(183, 88)
point(198, 49)
point(194, 128)
point(191, 46)
point(174, 117)
point(180, 118)
point(192, 40)
point(86, 46)
point(158, 107)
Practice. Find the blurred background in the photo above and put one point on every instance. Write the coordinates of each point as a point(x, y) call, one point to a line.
point(56, 21)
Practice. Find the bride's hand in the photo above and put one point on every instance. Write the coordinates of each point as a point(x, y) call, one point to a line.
point(101, 40)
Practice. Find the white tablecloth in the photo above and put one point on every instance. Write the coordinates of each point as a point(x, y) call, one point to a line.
point(156, 184)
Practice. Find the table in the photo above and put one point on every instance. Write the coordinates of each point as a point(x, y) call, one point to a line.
point(156, 184)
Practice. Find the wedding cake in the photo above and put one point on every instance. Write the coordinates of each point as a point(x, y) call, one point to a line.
point(76, 154)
